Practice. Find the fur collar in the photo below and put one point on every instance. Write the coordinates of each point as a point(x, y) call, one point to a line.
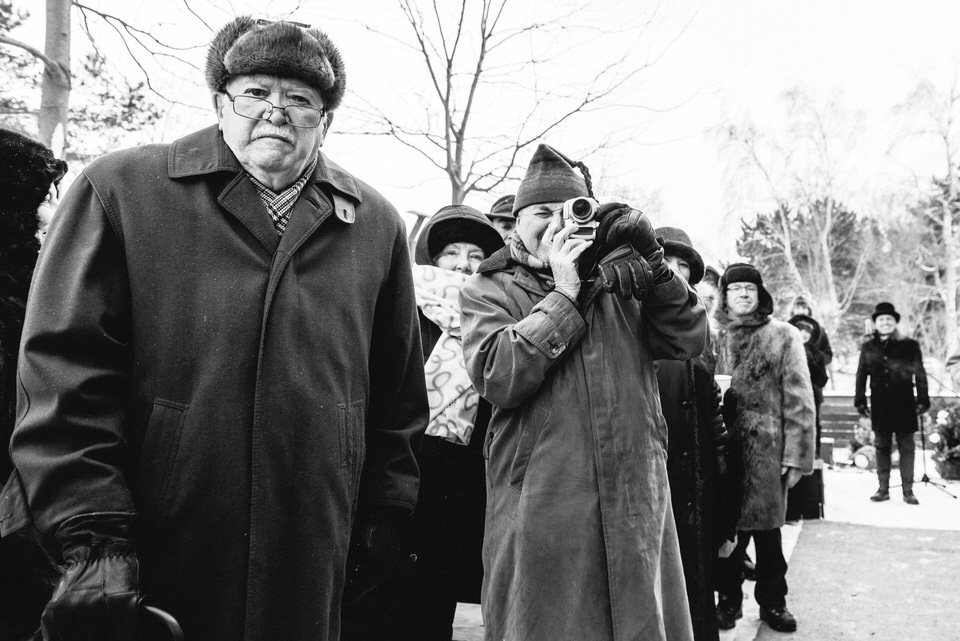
point(724, 321)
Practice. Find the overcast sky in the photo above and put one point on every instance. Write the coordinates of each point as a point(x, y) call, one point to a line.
point(730, 61)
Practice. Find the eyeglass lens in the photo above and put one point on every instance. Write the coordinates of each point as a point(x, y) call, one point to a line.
point(259, 109)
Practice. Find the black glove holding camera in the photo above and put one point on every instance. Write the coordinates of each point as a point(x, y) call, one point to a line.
point(375, 549)
point(624, 271)
point(98, 594)
point(621, 224)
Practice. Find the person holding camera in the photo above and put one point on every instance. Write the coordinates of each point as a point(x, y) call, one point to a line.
point(894, 365)
point(560, 332)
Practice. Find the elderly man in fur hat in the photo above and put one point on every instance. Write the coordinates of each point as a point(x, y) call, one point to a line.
point(771, 411)
point(222, 374)
point(579, 539)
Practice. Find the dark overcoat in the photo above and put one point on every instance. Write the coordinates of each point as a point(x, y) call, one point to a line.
point(240, 392)
point(580, 541)
point(895, 369)
point(705, 502)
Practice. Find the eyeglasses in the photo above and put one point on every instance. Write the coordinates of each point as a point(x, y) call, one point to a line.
point(742, 287)
point(259, 109)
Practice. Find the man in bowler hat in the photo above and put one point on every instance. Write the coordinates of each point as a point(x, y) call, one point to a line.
point(898, 395)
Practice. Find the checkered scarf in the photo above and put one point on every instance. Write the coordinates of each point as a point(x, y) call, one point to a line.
point(280, 205)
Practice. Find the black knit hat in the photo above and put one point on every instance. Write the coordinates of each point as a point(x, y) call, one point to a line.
point(283, 49)
point(885, 309)
point(746, 273)
point(551, 178)
point(677, 243)
point(502, 207)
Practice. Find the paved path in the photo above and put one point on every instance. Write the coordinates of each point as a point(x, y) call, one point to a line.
point(846, 501)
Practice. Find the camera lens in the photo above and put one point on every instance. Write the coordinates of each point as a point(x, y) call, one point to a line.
point(581, 210)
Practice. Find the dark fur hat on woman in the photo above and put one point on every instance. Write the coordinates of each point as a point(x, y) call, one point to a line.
point(283, 49)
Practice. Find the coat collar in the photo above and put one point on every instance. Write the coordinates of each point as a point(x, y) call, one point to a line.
point(502, 261)
point(205, 152)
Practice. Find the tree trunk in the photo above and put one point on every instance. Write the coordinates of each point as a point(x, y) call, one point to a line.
point(55, 96)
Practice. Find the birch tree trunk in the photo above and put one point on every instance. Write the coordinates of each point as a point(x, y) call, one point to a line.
point(55, 89)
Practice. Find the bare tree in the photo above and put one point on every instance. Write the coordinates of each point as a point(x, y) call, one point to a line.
point(802, 175)
point(471, 53)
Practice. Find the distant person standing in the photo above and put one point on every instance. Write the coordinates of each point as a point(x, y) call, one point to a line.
point(501, 215)
point(895, 367)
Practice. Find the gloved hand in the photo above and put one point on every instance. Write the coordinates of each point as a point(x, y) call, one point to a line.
point(863, 410)
point(621, 224)
point(623, 271)
point(729, 408)
point(98, 593)
point(374, 550)
point(921, 408)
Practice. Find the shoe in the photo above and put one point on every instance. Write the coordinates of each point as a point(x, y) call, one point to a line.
point(779, 619)
point(727, 617)
point(881, 495)
point(749, 568)
point(910, 497)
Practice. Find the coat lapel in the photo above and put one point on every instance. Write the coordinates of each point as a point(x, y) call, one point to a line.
point(240, 199)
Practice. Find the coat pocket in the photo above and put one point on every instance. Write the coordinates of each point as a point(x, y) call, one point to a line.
point(158, 458)
point(351, 420)
point(527, 443)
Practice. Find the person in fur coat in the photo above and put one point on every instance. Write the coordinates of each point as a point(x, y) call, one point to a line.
point(771, 410)
point(30, 172)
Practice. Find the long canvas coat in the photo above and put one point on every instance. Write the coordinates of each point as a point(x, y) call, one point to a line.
point(895, 369)
point(183, 362)
point(775, 415)
point(580, 541)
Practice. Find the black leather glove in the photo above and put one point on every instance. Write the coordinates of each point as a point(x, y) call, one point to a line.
point(623, 271)
point(729, 409)
point(621, 224)
point(98, 594)
point(375, 549)
point(863, 410)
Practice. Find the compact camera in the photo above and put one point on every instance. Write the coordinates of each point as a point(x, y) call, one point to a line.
point(582, 212)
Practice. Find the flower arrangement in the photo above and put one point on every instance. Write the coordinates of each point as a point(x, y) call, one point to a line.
point(946, 437)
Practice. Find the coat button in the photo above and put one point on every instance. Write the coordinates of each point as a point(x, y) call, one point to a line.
point(686, 405)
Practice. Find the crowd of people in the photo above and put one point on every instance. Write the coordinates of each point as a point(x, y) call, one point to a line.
point(235, 394)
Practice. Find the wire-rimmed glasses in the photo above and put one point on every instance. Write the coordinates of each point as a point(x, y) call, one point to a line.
point(259, 109)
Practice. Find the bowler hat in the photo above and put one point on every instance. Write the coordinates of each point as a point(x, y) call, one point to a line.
point(885, 309)
point(550, 178)
point(677, 243)
point(246, 46)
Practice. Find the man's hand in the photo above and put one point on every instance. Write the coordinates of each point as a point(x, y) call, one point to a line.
point(793, 475)
point(623, 271)
point(562, 255)
point(863, 410)
point(374, 551)
point(98, 594)
point(921, 408)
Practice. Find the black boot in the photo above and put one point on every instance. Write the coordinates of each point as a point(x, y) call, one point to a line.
point(779, 619)
point(909, 496)
point(727, 614)
point(882, 494)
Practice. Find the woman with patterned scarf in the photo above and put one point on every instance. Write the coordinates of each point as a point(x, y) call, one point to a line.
point(446, 533)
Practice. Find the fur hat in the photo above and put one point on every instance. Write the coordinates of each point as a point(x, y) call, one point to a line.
point(711, 275)
point(677, 243)
point(28, 169)
point(746, 273)
point(283, 49)
point(550, 178)
point(885, 309)
point(502, 207)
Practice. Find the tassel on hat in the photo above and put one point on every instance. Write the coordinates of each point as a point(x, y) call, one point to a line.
point(283, 49)
point(551, 178)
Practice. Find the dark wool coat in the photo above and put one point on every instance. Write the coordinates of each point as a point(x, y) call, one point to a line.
point(775, 415)
point(895, 368)
point(705, 502)
point(240, 392)
point(580, 541)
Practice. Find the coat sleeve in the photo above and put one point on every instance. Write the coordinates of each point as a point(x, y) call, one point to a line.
point(920, 376)
point(69, 444)
point(799, 413)
point(398, 397)
point(863, 371)
point(676, 320)
point(508, 358)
